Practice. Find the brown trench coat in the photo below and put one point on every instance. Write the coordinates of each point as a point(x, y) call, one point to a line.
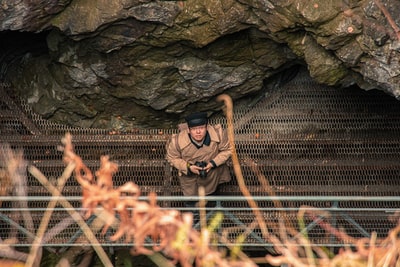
point(181, 151)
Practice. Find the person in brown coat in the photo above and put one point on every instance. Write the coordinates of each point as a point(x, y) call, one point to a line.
point(199, 152)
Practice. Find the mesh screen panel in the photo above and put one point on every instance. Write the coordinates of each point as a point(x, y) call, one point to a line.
point(307, 140)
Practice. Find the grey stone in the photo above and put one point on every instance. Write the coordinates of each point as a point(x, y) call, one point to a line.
point(126, 64)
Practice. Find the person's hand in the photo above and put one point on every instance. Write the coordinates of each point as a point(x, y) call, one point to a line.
point(208, 167)
point(195, 169)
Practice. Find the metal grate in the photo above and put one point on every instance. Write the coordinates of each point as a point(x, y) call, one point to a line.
point(308, 140)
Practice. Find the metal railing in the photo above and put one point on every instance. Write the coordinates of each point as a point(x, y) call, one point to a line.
point(237, 218)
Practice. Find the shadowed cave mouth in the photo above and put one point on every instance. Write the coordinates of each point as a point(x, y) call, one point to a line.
point(15, 46)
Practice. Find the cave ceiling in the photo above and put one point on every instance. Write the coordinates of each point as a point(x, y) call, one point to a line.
point(136, 63)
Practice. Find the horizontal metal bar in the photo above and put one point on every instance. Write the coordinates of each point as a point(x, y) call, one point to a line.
point(331, 209)
point(129, 245)
point(225, 198)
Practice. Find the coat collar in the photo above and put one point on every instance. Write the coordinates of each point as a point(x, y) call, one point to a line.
point(184, 139)
point(206, 142)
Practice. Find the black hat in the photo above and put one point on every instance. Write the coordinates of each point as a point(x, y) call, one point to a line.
point(196, 119)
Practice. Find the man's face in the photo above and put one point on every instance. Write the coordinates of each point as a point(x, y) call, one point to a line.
point(198, 132)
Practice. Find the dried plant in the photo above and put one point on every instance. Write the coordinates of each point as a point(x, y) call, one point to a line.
point(13, 178)
point(362, 252)
point(293, 246)
point(169, 231)
point(15, 168)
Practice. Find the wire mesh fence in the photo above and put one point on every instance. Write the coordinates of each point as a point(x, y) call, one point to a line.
point(335, 150)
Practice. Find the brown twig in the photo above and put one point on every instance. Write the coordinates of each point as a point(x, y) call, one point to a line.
point(6, 251)
point(266, 186)
point(46, 217)
point(238, 171)
point(328, 227)
point(74, 214)
point(389, 18)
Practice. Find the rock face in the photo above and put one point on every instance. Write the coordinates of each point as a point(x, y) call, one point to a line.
point(137, 63)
